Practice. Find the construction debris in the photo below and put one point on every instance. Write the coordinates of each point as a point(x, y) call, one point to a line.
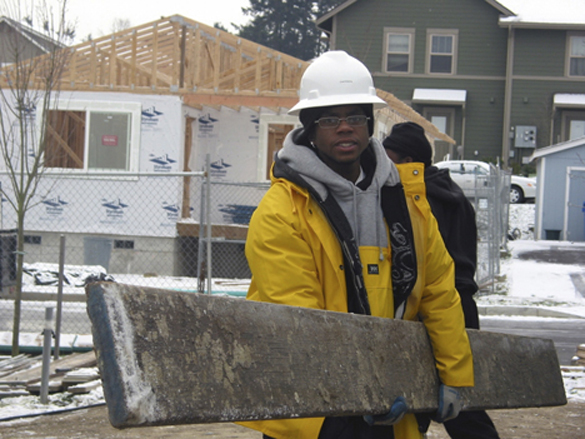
point(579, 358)
point(21, 375)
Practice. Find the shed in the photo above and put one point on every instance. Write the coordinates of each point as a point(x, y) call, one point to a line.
point(560, 201)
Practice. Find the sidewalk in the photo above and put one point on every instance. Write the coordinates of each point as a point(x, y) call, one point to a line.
point(540, 279)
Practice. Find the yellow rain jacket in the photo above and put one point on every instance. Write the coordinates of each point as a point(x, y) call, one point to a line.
point(295, 258)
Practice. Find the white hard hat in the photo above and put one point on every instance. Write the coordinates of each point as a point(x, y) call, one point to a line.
point(336, 78)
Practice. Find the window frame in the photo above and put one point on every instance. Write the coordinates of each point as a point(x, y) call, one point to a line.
point(134, 109)
point(448, 112)
point(454, 33)
point(410, 32)
point(567, 117)
point(264, 159)
point(569, 57)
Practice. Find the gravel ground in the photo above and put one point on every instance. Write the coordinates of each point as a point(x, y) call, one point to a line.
point(567, 422)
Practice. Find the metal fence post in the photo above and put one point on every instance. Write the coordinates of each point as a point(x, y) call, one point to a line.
point(59, 296)
point(48, 330)
point(200, 264)
point(208, 221)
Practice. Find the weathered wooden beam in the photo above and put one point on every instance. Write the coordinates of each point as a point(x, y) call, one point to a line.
point(154, 65)
point(285, 101)
point(63, 144)
point(169, 357)
point(216, 61)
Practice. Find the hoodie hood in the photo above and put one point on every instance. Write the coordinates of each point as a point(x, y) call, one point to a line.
point(441, 187)
point(360, 203)
point(304, 161)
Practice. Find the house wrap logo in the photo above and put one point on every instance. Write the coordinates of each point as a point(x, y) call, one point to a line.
point(219, 168)
point(172, 211)
point(162, 163)
point(254, 119)
point(54, 206)
point(114, 208)
point(150, 116)
point(206, 123)
point(29, 111)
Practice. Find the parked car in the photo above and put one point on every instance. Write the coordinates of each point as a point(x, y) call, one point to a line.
point(464, 173)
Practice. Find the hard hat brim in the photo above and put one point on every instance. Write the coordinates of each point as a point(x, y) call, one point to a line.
point(334, 101)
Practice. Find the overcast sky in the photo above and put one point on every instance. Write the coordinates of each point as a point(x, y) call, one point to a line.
point(96, 17)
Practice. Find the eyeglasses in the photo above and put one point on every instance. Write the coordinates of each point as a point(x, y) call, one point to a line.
point(333, 122)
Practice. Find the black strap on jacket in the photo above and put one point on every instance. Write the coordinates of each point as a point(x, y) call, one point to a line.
point(396, 214)
point(357, 296)
point(404, 270)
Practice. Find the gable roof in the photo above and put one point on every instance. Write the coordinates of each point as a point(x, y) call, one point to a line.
point(559, 147)
point(517, 13)
point(41, 42)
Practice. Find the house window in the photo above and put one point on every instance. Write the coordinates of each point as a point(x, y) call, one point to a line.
point(272, 131)
point(109, 140)
point(577, 55)
point(93, 136)
point(276, 136)
point(399, 44)
point(442, 51)
point(573, 124)
point(444, 119)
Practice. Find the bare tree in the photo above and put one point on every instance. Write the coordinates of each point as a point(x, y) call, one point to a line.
point(120, 24)
point(27, 88)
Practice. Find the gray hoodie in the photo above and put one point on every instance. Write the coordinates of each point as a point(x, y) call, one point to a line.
point(361, 206)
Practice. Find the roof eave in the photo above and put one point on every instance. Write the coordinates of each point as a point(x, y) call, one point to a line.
point(559, 147)
point(540, 25)
point(43, 42)
point(325, 22)
point(500, 8)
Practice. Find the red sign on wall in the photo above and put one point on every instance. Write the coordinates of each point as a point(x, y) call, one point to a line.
point(109, 140)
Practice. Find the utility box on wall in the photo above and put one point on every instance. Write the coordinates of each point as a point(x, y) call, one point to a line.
point(525, 136)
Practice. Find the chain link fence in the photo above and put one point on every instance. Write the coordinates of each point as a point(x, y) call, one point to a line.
point(135, 230)
point(115, 227)
point(492, 203)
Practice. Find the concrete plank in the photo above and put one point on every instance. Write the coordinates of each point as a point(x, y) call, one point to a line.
point(170, 357)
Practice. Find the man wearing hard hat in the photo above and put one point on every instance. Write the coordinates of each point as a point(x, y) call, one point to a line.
point(341, 229)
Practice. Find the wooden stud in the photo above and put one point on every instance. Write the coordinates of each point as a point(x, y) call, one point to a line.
point(216, 62)
point(153, 75)
point(258, 77)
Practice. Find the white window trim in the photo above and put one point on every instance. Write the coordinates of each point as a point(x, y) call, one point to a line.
point(265, 121)
point(134, 108)
point(398, 31)
point(442, 32)
point(568, 54)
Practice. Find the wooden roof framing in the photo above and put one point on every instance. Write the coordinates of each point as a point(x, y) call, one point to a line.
point(179, 55)
point(204, 65)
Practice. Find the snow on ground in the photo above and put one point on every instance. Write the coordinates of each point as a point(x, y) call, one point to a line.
point(19, 406)
point(520, 283)
point(530, 283)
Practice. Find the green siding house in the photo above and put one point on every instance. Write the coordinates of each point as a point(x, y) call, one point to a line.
point(500, 77)
point(21, 41)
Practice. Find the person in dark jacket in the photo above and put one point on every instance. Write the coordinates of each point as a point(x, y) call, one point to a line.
point(456, 219)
